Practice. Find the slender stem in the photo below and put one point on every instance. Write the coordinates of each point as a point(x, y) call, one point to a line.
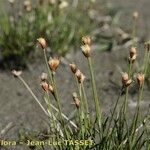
point(127, 90)
point(96, 101)
point(29, 89)
point(33, 95)
point(58, 105)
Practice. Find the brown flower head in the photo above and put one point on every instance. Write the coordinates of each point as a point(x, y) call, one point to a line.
point(86, 40)
point(73, 67)
point(86, 50)
point(16, 73)
point(76, 100)
point(125, 80)
point(44, 76)
point(140, 79)
point(42, 42)
point(135, 15)
point(80, 76)
point(27, 5)
point(132, 51)
point(45, 86)
point(53, 63)
point(132, 59)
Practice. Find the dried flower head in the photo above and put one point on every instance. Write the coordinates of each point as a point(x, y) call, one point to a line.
point(132, 59)
point(76, 100)
point(42, 42)
point(140, 79)
point(44, 76)
point(80, 76)
point(73, 67)
point(86, 40)
point(63, 4)
point(128, 82)
point(52, 2)
point(135, 15)
point(132, 54)
point(45, 86)
point(16, 73)
point(125, 80)
point(132, 51)
point(86, 50)
point(53, 63)
point(27, 5)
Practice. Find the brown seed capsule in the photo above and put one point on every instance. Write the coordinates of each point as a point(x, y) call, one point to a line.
point(16, 73)
point(125, 78)
point(52, 2)
point(86, 50)
point(140, 79)
point(135, 15)
point(86, 40)
point(45, 86)
point(42, 42)
point(80, 76)
point(132, 59)
point(44, 76)
point(73, 67)
point(76, 100)
point(27, 5)
point(132, 51)
point(128, 82)
point(53, 63)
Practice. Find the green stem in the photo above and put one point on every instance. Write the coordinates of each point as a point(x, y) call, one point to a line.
point(96, 100)
point(58, 105)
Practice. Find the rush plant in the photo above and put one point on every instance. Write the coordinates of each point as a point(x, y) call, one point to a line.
point(114, 131)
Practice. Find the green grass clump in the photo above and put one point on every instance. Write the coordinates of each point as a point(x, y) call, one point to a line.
point(117, 130)
point(61, 23)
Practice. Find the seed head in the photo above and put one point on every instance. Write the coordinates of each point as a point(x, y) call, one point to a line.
point(76, 100)
point(86, 50)
point(125, 80)
point(86, 40)
point(80, 76)
point(53, 63)
point(132, 51)
point(45, 86)
point(42, 42)
point(140, 79)
point(73, 67)
point(132, 59)
point(44, 76)
point(52, 2)
point(128, 82)
point(16, 73)
point(135, 15)
point(27, 5)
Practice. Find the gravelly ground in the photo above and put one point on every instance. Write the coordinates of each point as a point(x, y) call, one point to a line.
point(18, 106)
